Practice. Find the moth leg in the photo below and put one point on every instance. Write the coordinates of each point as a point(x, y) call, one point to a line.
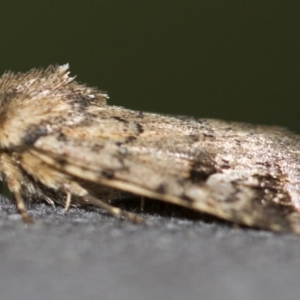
point(113, 210)
point(13, 178)
point(119, 194)
point(68, 201)
point(50, 201)
point(110, 196)
point(142, 203)
point(75, 188)
point(21, 208)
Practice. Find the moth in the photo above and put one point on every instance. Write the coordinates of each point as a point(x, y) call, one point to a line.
point(62, 143)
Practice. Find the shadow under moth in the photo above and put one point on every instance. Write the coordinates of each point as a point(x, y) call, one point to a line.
point(60, 142)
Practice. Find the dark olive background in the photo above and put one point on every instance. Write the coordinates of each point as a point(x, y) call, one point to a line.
point(235, 60)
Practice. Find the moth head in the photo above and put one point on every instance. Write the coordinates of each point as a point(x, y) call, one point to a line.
point(42, 98)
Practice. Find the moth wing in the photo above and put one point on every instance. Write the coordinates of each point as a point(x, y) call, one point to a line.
point(147, 169)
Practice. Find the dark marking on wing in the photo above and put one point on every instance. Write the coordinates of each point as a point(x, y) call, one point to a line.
point(202, 168)
point(139, 128)
point(107, 173)
point(33, 134)
point(161, 189)
point(120, 119)
point(61, 137)
point(127, 140)
point(140, 114)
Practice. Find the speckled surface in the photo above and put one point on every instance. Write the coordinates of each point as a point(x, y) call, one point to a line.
point(87, 254)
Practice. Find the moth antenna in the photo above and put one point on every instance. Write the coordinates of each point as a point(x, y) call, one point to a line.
point(114, 210)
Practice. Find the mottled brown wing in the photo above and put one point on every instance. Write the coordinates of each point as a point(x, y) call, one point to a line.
point(241, 173)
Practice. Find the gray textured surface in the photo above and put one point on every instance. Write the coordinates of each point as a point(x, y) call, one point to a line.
point(86, 254)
